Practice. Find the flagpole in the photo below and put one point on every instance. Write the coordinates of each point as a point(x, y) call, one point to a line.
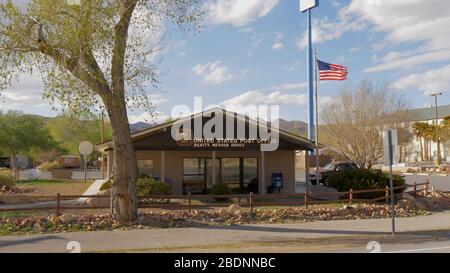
point(316, 96)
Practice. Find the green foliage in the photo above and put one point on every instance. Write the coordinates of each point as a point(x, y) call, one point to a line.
point(69, 131)
point(49, 166)
point(40, 155)
point(149, 186)
point(23, 133)
point(363, 180)
point(106, 186)
point(79, 50)
point(220, 189)
point(6, 179)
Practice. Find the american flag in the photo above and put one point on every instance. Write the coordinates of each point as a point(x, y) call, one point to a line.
point(332, 72)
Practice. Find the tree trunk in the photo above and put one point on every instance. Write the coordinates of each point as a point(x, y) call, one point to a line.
point(425, 151)
point(125, 169)
point(438, 151)
point(14, 165)
point(421, 149)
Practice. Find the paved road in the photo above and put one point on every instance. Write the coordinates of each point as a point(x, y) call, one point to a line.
point(376, 247)
point(441, 183)
point(157, 240)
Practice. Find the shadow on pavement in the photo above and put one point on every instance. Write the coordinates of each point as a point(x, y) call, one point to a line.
point(28, 241)
point(299, 230)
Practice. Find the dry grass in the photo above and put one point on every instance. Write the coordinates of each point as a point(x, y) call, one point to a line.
point(53, 187)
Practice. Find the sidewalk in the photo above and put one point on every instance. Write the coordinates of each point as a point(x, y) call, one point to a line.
point(151, 239)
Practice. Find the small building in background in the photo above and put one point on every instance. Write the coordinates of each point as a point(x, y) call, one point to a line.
point(22, 162)
point(428, 115)
point(70, 162)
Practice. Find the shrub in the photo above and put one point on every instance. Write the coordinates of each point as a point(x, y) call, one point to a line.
point(6, 179)
point(143, 175)
point(149, 186)
point(364, 180)
point(145, 186)
point(106, 186)
point(220, 189)
point(49, 166)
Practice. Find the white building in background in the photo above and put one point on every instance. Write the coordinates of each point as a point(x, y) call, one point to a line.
point(428, 115)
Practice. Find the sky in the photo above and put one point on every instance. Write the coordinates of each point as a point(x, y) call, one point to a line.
point(253, 52)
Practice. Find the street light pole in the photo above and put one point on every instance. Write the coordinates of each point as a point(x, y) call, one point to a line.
point(438, 150)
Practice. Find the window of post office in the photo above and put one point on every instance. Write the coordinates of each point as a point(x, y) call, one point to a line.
point(145, 166)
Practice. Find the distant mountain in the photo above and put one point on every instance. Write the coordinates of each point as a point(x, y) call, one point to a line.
point(136, 127)
point(297, 127)
point(300, 128)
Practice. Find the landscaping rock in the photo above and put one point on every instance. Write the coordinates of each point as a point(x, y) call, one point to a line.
point(408, 197)
point(10, 190)
point(406, 204)
point(233, 208)
point(100, 202)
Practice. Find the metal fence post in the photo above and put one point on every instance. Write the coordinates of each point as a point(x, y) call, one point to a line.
point(306, 200)
point(58, 204)
point(351, 197)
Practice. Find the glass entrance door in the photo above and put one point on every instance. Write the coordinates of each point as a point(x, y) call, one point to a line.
point(241, 174)
point(209, 171)
point(250, 175)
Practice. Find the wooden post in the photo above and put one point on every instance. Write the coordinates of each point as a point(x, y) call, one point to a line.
point(351, 197)
point(386, 194)
point(415, 189)
point(251, 202)
point(58, 204)
point(306, 199)
point(427, 183)
point(163, 167)
point(189, 202)
point(213, 166)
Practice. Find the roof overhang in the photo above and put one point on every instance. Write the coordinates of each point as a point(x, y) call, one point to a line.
point(284, 135)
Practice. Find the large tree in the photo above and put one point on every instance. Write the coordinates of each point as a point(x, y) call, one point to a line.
point(356, 119)
point(21, 133)
point(94, 53)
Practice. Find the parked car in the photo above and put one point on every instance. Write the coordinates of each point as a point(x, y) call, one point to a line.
point(5, 162)
point(330, 169)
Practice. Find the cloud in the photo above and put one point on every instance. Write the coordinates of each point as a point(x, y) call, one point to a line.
point(290, 86)
point(326, 30)
point(157, 117)
point(24, 92)
point(256, 97)
point(394, 61)
point(157, 99)
point(434, 80)
point(239, 12)
point(355, 49)
point(213, 73)
point(420, 23)
point(277, 46)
